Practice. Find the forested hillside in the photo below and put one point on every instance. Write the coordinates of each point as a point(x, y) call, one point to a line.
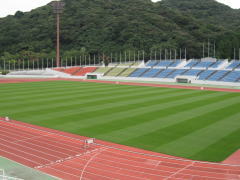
point(97, 26)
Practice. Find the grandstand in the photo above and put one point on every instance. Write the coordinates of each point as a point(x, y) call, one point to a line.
point(199, 71)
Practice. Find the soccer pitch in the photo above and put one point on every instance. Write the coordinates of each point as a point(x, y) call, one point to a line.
point(200, 125)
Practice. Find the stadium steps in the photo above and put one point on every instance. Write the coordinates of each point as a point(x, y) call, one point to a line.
point(108, 71)
point(76, 71)
point(210, 75)
point(102, 70)
point(127, 72)
point(59, 69)
point(185, 71)
point(171, 64)
point(85, 70)
point(114, 71)
point(145, 72)
point(200, 72)
point(237, 67)
point(171, 73)
point(124, 70)
point(156, 62)
point(195, 64)
point(159, 72)
point(224, 75)
point(211, 64)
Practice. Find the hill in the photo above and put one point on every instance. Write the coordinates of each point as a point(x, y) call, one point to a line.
point(98, 26)
point(209, 11)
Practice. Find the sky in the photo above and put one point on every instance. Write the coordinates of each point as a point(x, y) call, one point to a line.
point(9, 7)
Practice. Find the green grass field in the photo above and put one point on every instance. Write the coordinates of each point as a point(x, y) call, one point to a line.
point(201, 125)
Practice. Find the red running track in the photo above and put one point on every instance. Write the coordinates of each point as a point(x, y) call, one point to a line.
point(63, 155)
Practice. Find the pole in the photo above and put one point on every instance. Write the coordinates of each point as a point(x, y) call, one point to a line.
point(165, 54)
point(58, 40)
point(186, 53)
point(160, 54)
point(214, 50)
point(89, 58)
point(234, 53)
point(111, 58)
point(208, 48)
point(125, 56)
point(180, 54)
point(175, 55)
point(134, 57)
point(120, 57)
point(129, 56)
point(203, 50)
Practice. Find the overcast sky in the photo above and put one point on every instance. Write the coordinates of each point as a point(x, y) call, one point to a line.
point(9, 7)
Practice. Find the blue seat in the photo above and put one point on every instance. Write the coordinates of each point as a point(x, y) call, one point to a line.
point(205, 74)
point(151, 63)
point(233, 64)
point(218, 75)
point(192, 63)
point(216, 64)
point(164, 63)
point(176, 73)
point(192, 72)
point(232, 76)
point(203, 64)
point(175, 64)
point(164, 73)
point(138, 72)
point(151, 73)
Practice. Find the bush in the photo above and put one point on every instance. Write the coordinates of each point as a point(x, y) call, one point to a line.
point(5, 72)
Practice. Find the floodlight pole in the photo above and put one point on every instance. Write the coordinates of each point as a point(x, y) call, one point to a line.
point(57, 9)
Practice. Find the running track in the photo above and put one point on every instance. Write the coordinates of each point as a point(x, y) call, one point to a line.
point(63, 155)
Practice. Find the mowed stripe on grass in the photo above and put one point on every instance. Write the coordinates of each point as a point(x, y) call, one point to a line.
point(158, 119)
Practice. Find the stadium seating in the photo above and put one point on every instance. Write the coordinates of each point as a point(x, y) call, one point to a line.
point(59, 69)
point(191, 64)
point(114, 72)
point(165, 73)
point(192, 72)
point(206, 70)
point(72, 70)
point(216, 64)
point(151, 73)
point(102, 70)
point(127, 72)
point(176, 73)
point(164, 63)
point(84, 71)
point(126, 64)
point(175, 63)
point(138, 72)
point(205, 74)
point(151, 63)
point(218, 75)
point(232, 76)
point(136, 64)
point(233, 64)
point(206, 64)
